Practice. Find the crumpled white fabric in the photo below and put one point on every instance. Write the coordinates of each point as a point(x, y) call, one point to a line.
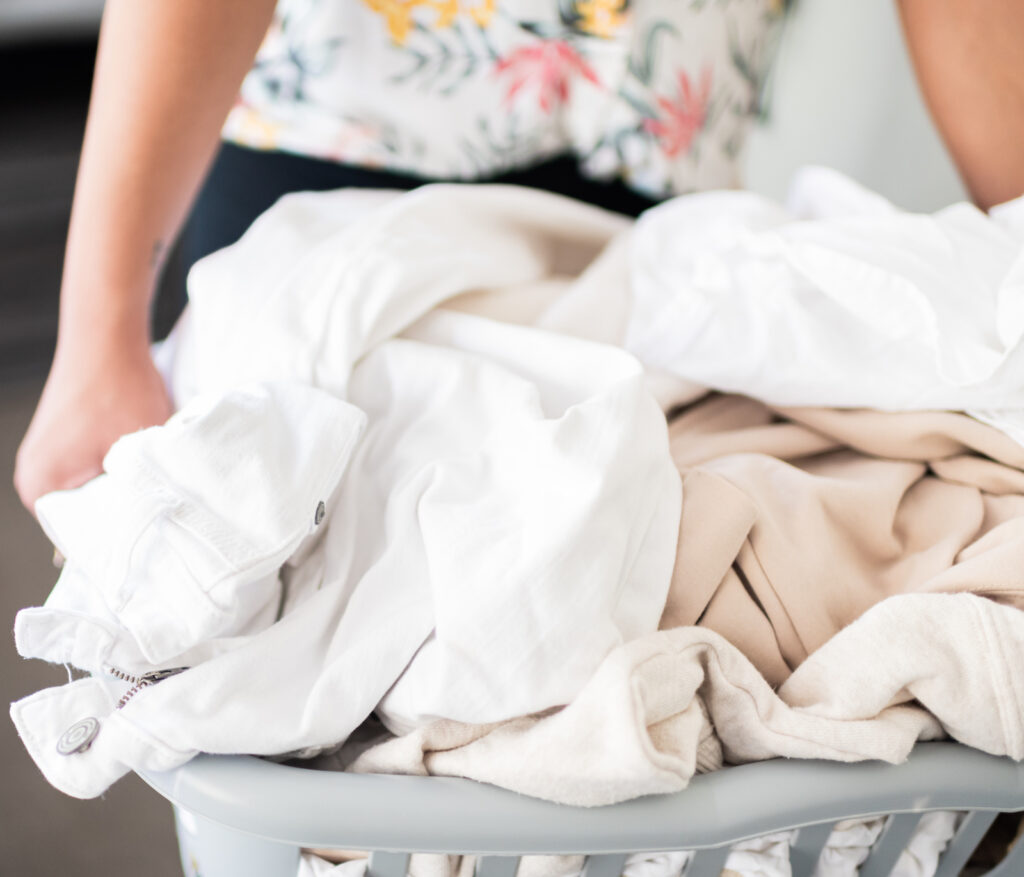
point(852, 839)
point(838, 300)
point(544, 456)
point(181, 540)
point(506, 518)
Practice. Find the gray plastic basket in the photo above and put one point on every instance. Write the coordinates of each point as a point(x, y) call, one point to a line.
point(245, 817)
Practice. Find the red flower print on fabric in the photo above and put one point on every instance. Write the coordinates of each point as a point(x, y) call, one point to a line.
point(549, 65)
point(683, 117)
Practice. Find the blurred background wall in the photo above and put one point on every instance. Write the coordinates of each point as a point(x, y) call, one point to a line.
point(842, 95)
point(48, 20)
point(42, 111)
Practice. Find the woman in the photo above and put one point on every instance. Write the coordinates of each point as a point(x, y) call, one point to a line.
point(561, 94)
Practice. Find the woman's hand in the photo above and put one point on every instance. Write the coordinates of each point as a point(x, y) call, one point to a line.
point(87, 404)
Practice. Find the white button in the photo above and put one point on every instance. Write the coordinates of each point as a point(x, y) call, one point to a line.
point(318, 516)
point(78, 737)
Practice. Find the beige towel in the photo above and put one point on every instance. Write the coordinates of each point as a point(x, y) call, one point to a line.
point(641, 725)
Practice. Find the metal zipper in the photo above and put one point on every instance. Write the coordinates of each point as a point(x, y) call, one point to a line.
point(139, 682)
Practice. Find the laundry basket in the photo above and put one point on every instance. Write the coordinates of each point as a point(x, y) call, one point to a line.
point(238, 815)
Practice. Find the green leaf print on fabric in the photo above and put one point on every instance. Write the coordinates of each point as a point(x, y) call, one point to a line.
point(513, 146)
point(299, 57)
point(641, 66)
point(441, 62)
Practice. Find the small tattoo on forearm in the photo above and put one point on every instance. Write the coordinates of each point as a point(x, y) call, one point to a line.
point(157, 254)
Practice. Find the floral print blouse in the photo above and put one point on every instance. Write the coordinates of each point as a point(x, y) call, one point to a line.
point(657, 92)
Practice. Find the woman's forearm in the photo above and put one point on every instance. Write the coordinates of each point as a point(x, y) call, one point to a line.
point(167, 73)
point(971, 68)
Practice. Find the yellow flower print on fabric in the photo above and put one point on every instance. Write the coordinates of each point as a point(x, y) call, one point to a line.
point(399, 13)
point(601, 17)
point(483, 12)
point(248, 126)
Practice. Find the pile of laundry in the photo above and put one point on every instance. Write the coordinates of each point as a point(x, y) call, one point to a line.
point(474, 459)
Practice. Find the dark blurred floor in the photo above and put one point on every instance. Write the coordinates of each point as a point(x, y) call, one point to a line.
point(42, 832)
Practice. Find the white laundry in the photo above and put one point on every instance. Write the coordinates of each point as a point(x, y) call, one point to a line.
point(507, 518)
point(313, 866)
point(852, 302)
point(191, 524)
point(502, 537)
point(656, 864)
point(929, 841)
point(532, 407)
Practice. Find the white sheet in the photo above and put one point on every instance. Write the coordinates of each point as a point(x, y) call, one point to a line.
point(840, 300)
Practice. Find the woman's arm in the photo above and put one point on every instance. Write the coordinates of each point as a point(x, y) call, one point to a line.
point(167, 73)
point(970, 65)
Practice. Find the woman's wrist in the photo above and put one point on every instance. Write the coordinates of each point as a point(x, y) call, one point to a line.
point(102, 332)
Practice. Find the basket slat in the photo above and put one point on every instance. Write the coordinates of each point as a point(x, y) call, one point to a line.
point(708, 863)
point(388, 865)
point(964, 842)
point(609, 865)
point(886, 851)
point(497, 866)
point(806, 850)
